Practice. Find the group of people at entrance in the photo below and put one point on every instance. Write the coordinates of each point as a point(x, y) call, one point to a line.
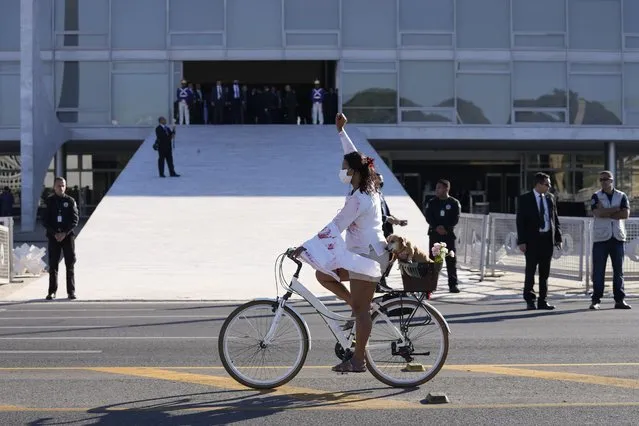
point(243, 104)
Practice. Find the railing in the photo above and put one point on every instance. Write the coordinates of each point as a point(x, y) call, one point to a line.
point(488, 243)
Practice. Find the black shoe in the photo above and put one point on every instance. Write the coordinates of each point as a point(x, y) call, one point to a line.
point(453, 289)
point(622, 305)
point(50, 296)
point(175, 175)
point(531, 306)
point(72, 296)
point(545, 305)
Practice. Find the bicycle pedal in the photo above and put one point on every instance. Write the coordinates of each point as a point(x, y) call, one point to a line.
point(410, 367)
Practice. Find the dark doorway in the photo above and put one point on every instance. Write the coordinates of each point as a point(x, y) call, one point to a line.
point(257, 75)
point(497, 184)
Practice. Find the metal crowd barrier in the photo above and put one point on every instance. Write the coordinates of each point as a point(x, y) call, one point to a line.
point(6, 250)
point(488, 243)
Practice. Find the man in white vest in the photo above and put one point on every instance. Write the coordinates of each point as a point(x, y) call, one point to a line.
point(610, 209)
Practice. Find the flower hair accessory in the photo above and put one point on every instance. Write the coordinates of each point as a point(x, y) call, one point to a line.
point(370, 162)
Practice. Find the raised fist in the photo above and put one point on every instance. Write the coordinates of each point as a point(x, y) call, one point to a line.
point(340, 121)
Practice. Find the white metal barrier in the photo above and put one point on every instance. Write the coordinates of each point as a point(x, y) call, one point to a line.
point(6, 250)
point(488, 243)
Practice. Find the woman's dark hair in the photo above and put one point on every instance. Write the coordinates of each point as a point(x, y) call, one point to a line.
point(366, 168)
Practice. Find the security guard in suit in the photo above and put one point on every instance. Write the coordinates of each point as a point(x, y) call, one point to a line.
point(60, 219)
point(442, 215)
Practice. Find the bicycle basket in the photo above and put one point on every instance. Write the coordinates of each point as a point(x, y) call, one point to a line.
point(420, 277)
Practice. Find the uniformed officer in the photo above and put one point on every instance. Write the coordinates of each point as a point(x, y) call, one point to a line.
point(185, 100)
point(317, 97)
point(60, 218)
point(442, 215)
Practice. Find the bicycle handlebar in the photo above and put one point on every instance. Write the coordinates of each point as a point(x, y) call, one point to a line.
point(289, 254)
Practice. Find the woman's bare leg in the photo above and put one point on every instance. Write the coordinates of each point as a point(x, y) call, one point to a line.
point(362, 293)
point(337, 288)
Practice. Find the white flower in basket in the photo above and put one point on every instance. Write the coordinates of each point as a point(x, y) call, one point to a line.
point(440, 251)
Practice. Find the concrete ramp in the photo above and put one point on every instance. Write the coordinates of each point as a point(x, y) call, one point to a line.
point(246, 193)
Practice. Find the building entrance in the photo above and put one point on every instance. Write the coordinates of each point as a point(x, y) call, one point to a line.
point(478, 187)
point(267, 76)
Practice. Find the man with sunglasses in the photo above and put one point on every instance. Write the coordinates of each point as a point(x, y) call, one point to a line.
point(538, 231)
point(610, 209)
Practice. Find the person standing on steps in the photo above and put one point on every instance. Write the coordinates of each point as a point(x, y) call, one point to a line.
point(538, 230)
point(442, 215)
point(610, 208)
point(60, 219)
point(164, 146)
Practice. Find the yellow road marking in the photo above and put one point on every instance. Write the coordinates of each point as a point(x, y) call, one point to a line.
point(305, 394)
point(455, 367)
point(549, 375)
point(15, 408)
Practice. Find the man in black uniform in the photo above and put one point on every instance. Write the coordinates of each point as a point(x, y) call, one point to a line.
point(60, 218)
point(442, 215)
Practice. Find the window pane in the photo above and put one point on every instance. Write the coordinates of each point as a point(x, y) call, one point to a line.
point(540, 116)
point(9, 99)
point(138, 24)
point(45, 24)
point(420, 15)
point(139, 99)
point(10, 25)
point(483, 24)
point(483, 99)
point(264, 18)
point(369, 23)
point(595, 99)
point(604, 15)
point(87, 162)
point(311, 14)
point(369, 90)
point(631, 89)
point(539, 15)
point(371, 115)
point(83, 86)
point(72, 162)
point(631, 16)
point(84, 17)
point(541, 41)
point(196, 15)
point(426, 83)
point(540, 84)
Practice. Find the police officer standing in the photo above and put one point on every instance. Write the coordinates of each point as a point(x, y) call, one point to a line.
point(442, 215)
point(60, 218)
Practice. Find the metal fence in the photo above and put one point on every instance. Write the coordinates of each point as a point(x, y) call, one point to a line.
point(5, 255)
point(488, 243)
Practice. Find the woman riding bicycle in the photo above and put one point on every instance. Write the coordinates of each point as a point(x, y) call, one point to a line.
point(365, 257)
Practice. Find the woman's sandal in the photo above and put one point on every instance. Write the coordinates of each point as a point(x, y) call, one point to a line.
point(350, 366)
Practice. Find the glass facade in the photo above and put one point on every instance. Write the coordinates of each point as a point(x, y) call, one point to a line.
point(411, 62)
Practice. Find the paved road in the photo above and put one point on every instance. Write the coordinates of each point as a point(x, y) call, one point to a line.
point(157, 363)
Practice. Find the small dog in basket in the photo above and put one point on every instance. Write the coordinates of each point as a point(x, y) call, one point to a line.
point(405, 251)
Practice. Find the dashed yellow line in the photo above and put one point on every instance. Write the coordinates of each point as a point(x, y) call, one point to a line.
point(549, 375)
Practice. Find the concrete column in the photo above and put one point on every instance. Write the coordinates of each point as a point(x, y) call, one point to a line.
point(41, 134)
point(27, 54)
point(611, 158)
point(59, 164)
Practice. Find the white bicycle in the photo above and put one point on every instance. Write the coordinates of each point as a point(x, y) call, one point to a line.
point(263, 343)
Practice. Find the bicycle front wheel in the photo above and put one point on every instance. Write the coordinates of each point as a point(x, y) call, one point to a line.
point(251, 360)
point(408, 343)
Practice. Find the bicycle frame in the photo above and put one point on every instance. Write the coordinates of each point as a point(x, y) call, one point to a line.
point(331, 318)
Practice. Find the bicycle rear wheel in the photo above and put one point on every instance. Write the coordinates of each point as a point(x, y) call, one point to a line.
point(249, 359)
point(421, 354)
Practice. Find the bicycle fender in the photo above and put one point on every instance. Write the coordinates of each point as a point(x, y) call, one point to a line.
point(301, 318)
point(430, 306)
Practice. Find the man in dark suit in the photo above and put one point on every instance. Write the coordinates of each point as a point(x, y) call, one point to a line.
point(164, 146)
point(538, 230)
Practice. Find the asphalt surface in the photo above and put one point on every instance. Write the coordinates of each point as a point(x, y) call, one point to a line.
point(153, 363)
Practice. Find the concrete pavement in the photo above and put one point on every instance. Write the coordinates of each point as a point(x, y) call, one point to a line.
point(157, 363)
